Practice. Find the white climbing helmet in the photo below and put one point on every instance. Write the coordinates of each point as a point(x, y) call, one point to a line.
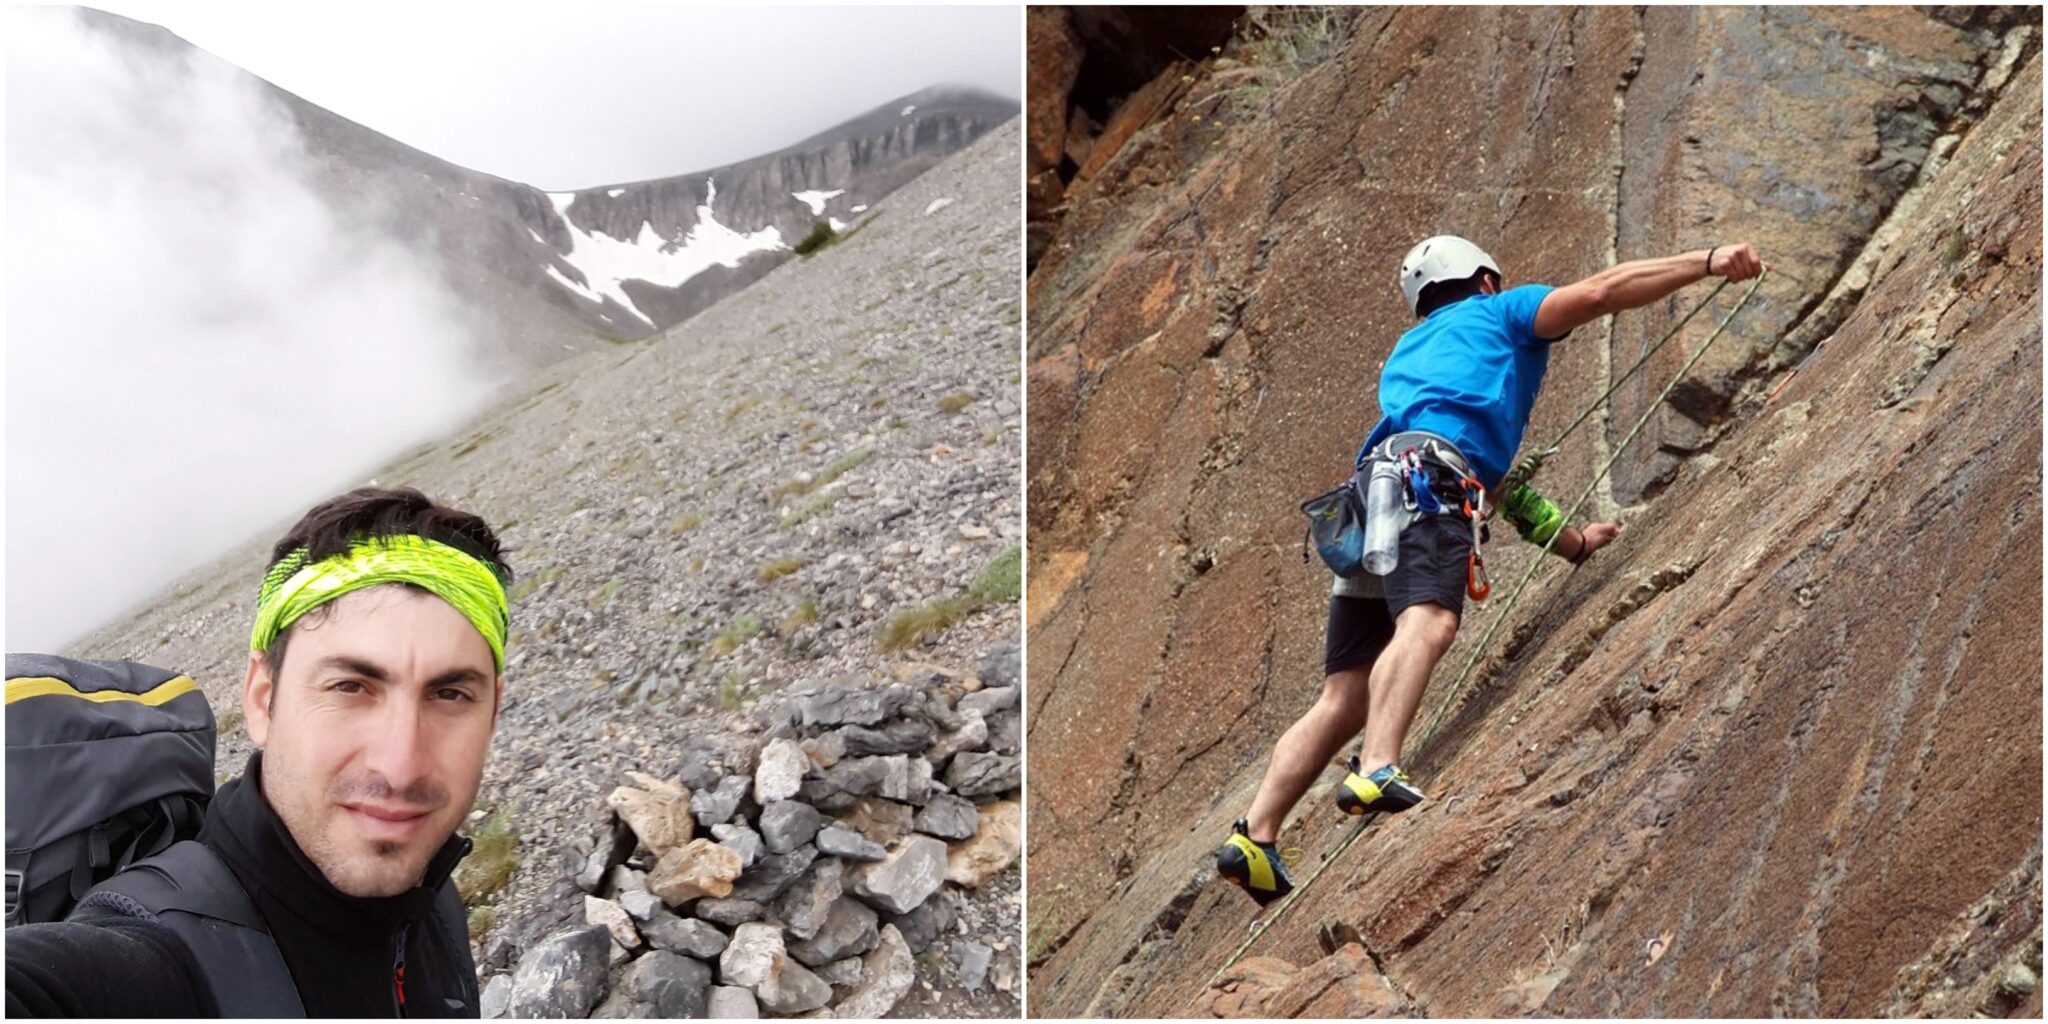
point(1441, 258)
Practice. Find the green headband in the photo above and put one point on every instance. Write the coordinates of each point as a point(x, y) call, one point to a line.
point(295, 585)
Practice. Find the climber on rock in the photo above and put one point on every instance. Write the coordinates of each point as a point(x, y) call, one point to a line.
point(1455, 395)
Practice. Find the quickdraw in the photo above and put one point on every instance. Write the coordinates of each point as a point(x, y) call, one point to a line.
point(1477, 586)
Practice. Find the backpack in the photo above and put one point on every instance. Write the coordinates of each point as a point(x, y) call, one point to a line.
point(109, 770)
point(108, 762)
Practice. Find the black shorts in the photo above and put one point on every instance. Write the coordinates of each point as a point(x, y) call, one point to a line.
point(1431, 570)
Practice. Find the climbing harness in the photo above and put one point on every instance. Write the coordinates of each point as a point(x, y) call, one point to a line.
point(1520, 474)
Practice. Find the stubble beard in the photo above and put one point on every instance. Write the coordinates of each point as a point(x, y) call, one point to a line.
point(325, 833)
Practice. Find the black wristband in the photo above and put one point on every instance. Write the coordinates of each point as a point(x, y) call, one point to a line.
point(1710, 260)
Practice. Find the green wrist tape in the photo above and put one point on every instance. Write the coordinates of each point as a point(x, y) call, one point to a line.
point(295, 586)
point(1535, 517)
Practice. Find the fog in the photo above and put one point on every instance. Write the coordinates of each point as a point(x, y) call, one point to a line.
point(199, 346)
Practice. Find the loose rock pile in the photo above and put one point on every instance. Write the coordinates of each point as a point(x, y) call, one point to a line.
point(800, 883)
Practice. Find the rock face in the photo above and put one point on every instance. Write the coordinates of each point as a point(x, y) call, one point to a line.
point(1834, 589)
point(532, 262)
point(1344, 985)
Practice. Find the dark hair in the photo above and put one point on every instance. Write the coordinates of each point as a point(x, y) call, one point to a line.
point(1439, 294)
point(337, 524)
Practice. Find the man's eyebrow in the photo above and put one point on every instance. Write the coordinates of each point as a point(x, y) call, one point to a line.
point(371, 670)
point(355, 665)
point(458, 677)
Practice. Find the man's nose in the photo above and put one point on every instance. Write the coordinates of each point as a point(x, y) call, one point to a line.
point(397, 752)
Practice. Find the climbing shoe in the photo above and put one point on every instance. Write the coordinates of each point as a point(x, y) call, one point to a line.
point(1386, 791)
point(1255, 867)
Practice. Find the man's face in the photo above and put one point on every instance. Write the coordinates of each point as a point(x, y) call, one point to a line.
point(374, 733)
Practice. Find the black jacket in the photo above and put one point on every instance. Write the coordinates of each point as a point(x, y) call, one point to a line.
point(349, 957)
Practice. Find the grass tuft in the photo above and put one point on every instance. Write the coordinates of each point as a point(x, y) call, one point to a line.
point(728, 640)
point(808, 510)
point(779, 568)
point(805, 614)
point(840, 467)
point(908, 629)
point(955, 402)
point(491, 864)
point(1002, 579)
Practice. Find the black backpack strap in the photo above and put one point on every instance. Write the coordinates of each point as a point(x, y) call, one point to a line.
point(191, 891)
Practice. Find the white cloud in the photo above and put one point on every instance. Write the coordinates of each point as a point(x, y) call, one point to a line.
point(199, 345)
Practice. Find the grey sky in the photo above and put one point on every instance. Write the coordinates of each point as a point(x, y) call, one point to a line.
point(576, 95)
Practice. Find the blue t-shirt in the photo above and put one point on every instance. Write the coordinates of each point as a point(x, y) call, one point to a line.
point(1469, 372)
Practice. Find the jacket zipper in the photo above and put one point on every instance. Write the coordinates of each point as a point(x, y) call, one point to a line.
point(398, 973)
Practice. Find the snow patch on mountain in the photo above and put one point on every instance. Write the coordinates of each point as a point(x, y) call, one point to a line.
point(607, 262)
point(571, 285)
point(815, 199)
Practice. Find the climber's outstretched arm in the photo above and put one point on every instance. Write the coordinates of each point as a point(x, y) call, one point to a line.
point(1639, 283)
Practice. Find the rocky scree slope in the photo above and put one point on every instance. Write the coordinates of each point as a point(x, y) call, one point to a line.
point(704, 520)
point(1778, 749)
point(555, 273)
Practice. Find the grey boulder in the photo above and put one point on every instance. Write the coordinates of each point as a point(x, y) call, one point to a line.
point(685, 935)
point(850, 928)
point(563, 976)
point(840, 841)
point(906, 877)
point(674, 984)
point(948, 817)
point(788, 824)
point(974, 773)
